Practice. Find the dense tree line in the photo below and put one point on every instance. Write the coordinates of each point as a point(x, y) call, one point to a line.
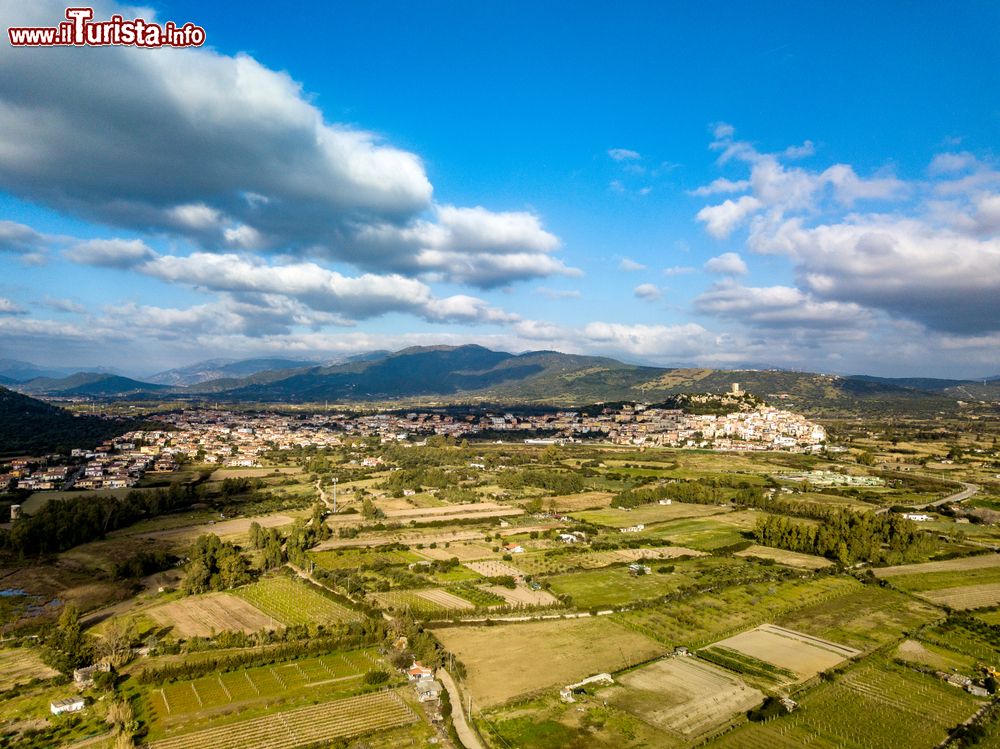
point(141, 564)
point(64, 523)
point(269, 541)
point(682, 491)
point(215, 565)
point(845, 536)
point(557, 482)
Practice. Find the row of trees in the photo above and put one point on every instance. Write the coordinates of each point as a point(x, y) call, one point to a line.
point(64, 523)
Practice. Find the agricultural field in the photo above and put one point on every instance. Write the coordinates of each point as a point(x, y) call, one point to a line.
point(618, 585)
point(934, 656)
point(205, 615)
point(522, 596)
point(347, 559)
point(888, 706)
point(788, 558)
point(704, 534)
point(541, 655)
point(788, 652)
point(306, 726)
point(223, 528)
point(701, 619)
point(568, 559)
point(187, 705)
point(865, 619)
point(647, 514)
point(294, 602)
point(967, 583)
point(424, 603)
point(20, 666)
point(682, 696)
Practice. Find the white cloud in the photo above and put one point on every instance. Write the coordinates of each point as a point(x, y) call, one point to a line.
point(728, 264)
point(20, 239)
point(780, 307)
point(630, 266)
point(559, 293)
point(941, 277)
point(111, 253)
point(9, 307)
point(721, 185)
point(623, 154)
point(950, 163)
point(647, 291)
point(224, 152)
point(679, 270)
point(721, 220)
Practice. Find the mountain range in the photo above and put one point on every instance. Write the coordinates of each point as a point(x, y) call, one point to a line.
point(465, 374)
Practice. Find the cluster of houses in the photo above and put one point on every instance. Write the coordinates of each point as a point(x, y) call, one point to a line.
point(428, 688)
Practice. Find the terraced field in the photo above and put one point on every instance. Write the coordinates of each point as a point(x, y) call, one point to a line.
point(293, 602)
point(303, 727)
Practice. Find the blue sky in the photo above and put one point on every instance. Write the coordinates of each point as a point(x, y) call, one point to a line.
point(811, 186)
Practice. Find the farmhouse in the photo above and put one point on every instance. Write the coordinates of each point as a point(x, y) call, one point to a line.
point(85, 676)
point(633, 528)
point(428, 690)
point(513, 548)
point(67, 705)
point(419, 672)
point(918, 517)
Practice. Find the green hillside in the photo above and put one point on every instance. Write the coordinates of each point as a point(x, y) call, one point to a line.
point(31, 426)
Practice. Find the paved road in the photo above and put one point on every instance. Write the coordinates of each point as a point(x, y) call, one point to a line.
point(968, 490)
point(465, 733)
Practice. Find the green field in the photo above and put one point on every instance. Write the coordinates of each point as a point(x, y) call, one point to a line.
point(703, 533)
point(701, 619)
point(865, 619)
point(293, 602)
point(347, 559)
point(191, 705)
point(872, 706)
point(618, 585)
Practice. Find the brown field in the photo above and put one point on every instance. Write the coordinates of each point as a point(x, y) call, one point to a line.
point(801, 654)
point(202, 616)
point(577, 502)
point(934, 656)
point(949, 565)
point(444, 599)
point(511, 660)
point(461, 551)
point(236, 527)
point(522, 595)
point(495, 568)
point(964, 597)
point(788, 558)
point(248, 473)
point(21, 665)
point(685, 697)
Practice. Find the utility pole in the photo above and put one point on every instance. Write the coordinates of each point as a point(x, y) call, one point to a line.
point(335, 495)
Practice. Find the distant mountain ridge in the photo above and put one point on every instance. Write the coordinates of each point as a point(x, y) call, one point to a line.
point(218, 369)
point(85, 384)
point(467, 374)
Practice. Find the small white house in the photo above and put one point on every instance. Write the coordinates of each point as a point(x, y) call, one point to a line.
point(918, 517)
point(67, 705)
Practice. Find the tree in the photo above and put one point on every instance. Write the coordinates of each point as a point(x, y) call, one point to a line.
point(115, 644)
